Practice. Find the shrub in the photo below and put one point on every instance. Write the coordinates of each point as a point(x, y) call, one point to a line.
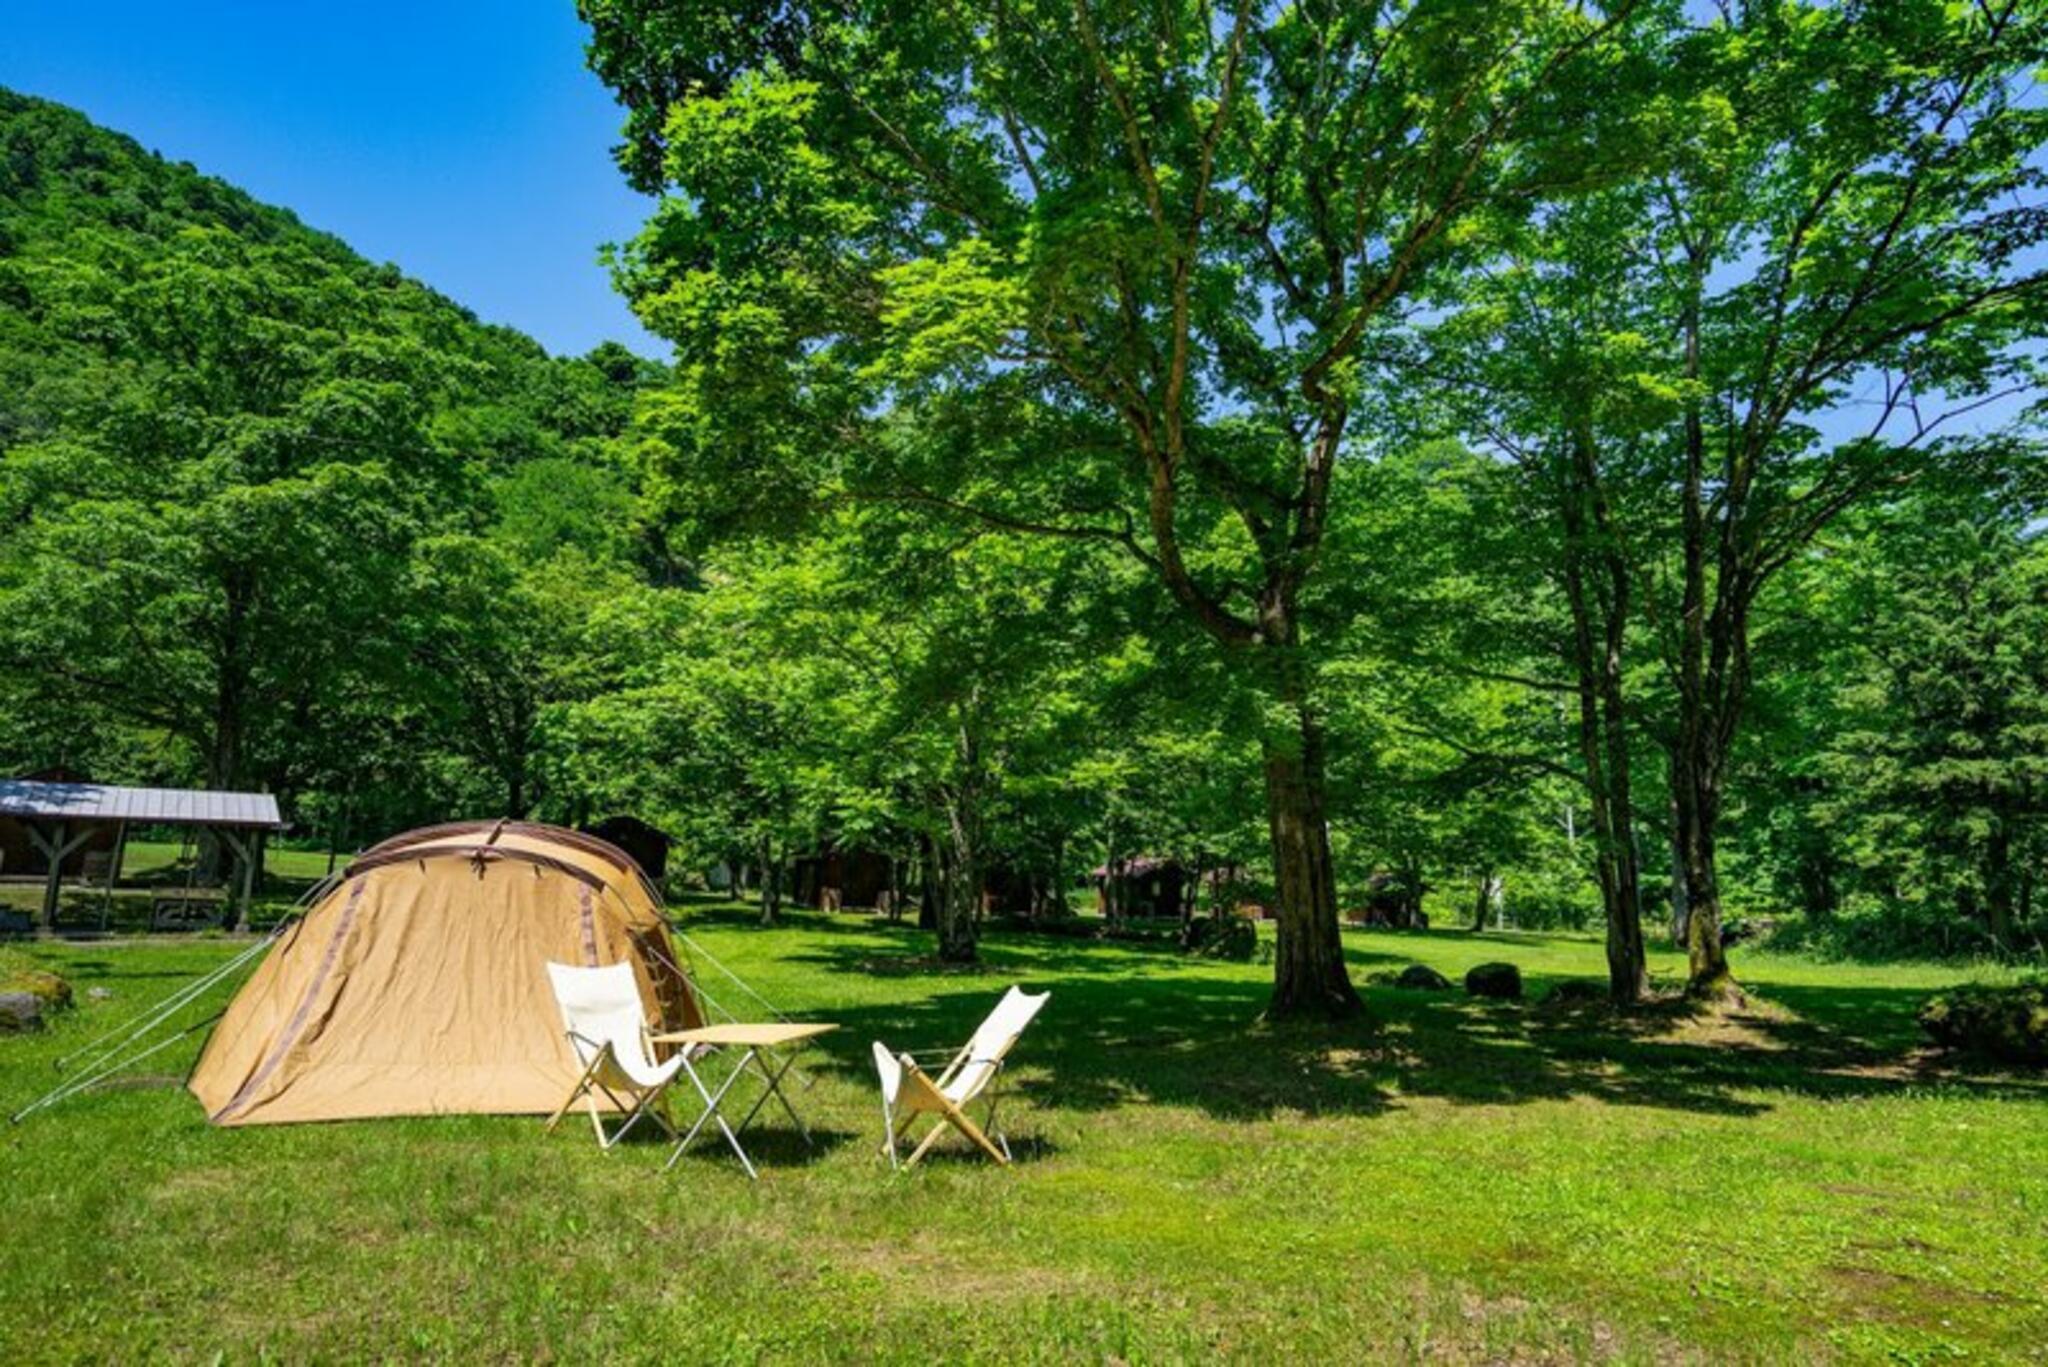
point(2009, 1023)
point(1544, 901)
point(1221, 937)
point(1884, 932)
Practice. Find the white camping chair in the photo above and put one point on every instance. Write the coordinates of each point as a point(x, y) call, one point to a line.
point(908, 1092)
point(607, 1027)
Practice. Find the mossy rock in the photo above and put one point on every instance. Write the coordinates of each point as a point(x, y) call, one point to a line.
point(1502, 982)
point(29, 996)
point(2009, 1023)
point(1422, 978)
point(52, 991)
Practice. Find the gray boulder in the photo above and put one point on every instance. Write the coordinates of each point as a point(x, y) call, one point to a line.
point(1502, 981)
point(20, 1011)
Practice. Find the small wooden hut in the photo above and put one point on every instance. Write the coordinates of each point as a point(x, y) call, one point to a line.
point(834, 879)
point(1142, 886)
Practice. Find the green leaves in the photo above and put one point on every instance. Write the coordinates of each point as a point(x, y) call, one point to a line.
point(946, 314)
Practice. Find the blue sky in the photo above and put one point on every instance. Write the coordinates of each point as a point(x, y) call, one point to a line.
point(463, 141)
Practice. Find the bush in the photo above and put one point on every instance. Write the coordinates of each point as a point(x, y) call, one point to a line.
point(1884, 932)
point(1221, 937)
point(1544, 901)
point(2009, 1023)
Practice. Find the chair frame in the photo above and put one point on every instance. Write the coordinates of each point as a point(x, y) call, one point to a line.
point(920, 1094)
point(927, 1097)
point(650, 1101)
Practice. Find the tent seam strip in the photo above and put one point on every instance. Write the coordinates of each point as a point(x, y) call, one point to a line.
point(298, 1021)
point(583, 904)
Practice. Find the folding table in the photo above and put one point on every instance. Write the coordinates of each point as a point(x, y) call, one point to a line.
point(778, 1040)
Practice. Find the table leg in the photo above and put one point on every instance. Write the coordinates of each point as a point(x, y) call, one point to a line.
point(773, 1077)
point(712, 1100)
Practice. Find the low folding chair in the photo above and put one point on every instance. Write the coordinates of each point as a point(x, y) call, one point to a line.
point(908, 1092)
point(607, 1027)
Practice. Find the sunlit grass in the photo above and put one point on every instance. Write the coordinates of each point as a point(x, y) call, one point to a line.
point(1480, 1182)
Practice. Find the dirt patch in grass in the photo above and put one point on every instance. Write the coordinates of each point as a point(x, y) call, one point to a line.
point(903, 965)
point(183, 1182)
point(1897, 1298)
point(928, 1274)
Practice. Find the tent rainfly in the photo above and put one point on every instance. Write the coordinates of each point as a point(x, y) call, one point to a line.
point(417, 984)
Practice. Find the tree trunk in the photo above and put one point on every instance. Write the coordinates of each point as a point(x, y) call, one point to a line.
point(1697, 795)
point(1308, 960)
point(223, 764)
point(1998, 890)
point(771, 884)
point(1704, 700)
point(1681, 921)
point(1481, 899)
point(1596, 579)
point(927, 883)
point(960, 890)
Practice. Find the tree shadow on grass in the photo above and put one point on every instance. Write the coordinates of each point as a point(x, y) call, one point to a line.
point(770, 1147)
point(1116, 1033)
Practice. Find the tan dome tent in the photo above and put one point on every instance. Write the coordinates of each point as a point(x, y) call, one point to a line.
point(416, 985)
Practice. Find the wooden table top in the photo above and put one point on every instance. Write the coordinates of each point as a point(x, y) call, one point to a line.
point(765, 1035)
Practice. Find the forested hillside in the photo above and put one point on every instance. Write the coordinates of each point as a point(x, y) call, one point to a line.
point(273, 516)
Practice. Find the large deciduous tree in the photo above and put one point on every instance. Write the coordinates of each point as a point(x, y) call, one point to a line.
point(1140, 252)
point(1858, 229)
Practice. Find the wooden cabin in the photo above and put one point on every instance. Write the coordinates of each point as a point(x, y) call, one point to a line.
point(1391, 900)
point(1141, 886)
point(835, 879)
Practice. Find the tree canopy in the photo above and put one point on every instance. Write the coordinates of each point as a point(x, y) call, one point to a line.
point(1545, 464)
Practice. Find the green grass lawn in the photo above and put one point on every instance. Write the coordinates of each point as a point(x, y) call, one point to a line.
point(152, 858)
point(1451, 1179)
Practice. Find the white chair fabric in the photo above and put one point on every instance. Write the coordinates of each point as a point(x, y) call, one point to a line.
point(606, 1023)
point(908, 1092)
point(992, 1042)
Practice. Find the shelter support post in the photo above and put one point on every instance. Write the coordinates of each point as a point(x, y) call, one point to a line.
point(56, 842)
point(247, 848)
point(114, 873)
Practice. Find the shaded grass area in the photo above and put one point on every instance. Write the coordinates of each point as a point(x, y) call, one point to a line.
point(1449, 1179)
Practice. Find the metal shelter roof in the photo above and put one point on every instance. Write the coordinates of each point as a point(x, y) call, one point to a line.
point(38, 799)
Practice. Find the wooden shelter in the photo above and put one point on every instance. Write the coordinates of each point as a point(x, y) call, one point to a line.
point(1144, 885)
point(62, 823)
point(834, 879)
